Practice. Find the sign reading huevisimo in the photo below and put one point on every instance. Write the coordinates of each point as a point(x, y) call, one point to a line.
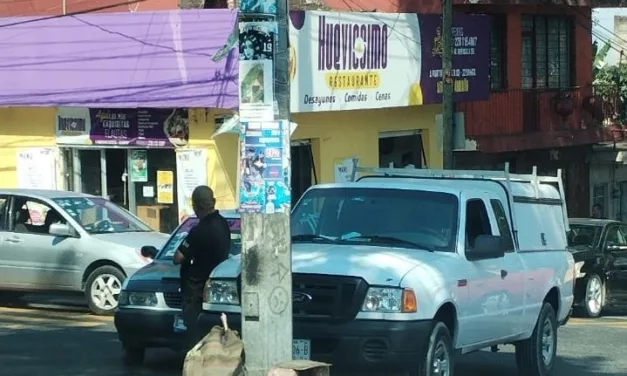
point(348, 61)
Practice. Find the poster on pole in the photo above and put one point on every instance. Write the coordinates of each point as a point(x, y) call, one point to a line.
point(191, 171)
point(37, 168)
point(264, 167)
point(258, 6)
point(256, 78)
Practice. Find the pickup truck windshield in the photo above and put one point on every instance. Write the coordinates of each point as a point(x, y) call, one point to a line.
point(584, 235)
point(392, 217)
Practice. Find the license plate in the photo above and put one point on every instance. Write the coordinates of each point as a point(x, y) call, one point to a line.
point(179, 324)
point(301, 349)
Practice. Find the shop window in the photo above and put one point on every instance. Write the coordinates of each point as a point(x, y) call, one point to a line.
point(547, 59)
point(498, 52)
point(599, 195)
point(401, 150)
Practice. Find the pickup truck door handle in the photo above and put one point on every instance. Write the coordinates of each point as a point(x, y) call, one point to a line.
point(503, 274)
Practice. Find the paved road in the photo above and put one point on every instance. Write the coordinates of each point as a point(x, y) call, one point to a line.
point(64, 340)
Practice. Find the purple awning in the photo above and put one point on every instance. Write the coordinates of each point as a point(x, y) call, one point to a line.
point(143, 59)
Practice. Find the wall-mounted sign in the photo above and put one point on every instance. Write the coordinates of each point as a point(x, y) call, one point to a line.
point(349, 61)
point(122, 126)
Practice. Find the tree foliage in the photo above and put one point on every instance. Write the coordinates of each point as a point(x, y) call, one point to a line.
point(610, 82)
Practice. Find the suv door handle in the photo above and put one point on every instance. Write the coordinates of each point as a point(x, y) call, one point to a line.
point(14, 240)
point(503, 274)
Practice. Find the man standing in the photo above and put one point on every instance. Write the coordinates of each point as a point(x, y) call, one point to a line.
point(204, 248)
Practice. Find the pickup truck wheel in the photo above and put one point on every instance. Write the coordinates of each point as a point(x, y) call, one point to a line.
point(536, 356)
point(595, 296)
point(439, 358)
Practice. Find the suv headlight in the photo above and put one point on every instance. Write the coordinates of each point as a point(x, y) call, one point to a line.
point(140, 299)
point(221, 291)
point(390, 300)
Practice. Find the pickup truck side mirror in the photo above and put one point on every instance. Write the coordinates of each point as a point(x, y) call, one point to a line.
point(486, 247)
point(149, 251)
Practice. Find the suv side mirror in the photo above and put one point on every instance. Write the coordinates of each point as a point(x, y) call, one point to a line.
point(149, 251)
point(61, 229)
point(486, 247)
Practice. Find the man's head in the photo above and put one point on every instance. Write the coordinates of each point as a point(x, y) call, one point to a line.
point(597, 211)
point(203, 201)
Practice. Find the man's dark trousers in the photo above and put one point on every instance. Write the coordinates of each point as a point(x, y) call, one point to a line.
point(192, 306)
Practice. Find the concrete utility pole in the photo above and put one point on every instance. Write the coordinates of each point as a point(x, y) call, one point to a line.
point(266, 292)
point(447, 92)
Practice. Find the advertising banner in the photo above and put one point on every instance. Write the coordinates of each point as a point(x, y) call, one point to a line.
point(191, 171)
point(123, 126)
point(349, 61)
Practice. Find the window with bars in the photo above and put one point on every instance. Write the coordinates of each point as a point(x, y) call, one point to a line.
point(498, 37)
point(547, 60)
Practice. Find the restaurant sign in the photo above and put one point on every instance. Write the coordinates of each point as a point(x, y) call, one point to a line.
point(348, 61)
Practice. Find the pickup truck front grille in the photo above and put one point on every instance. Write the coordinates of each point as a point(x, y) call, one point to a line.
point(333, 298)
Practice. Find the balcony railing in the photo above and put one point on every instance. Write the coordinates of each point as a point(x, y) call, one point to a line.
point(524, 111)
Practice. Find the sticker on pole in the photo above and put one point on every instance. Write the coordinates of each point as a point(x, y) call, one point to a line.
point(265, 168)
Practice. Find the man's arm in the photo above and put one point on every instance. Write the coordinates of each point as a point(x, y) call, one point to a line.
point(186, 249)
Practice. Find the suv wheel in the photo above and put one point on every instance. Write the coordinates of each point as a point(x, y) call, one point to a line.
point(439, 359)
point(103, 288)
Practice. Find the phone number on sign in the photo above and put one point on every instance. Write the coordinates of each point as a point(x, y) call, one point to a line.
point(459, 86)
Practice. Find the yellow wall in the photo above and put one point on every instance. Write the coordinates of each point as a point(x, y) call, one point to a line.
point(22, 127)
point(335, 136)
point(344, 134)
point(222, 155)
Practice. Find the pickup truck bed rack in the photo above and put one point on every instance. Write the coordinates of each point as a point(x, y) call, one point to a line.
point(505, 176)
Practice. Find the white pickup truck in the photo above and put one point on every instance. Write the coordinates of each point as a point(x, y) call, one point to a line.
point(405, 270)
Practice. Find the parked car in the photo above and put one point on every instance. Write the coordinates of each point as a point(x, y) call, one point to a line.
point(404, 269)
point(599, 247)
point(68, 241)
point(149, 314)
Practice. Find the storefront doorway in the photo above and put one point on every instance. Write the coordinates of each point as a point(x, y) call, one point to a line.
point(141, 180)
point(303, 169)
point(401, 149)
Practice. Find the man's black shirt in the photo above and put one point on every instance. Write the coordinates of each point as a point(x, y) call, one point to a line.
point(204, 248)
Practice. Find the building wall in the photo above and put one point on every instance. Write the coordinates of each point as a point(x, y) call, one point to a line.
point(20, 128)
point(343, 134)
point(22, 8)
point(505, 111)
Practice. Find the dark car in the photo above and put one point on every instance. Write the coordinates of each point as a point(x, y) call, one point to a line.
point(599, 247)
point(149, 311)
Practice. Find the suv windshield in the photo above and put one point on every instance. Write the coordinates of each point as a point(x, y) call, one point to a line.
point(100, 216)
point(584, 235)
point(390, 217)
point(177, 238)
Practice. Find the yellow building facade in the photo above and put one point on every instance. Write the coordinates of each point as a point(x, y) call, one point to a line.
point(334, 137)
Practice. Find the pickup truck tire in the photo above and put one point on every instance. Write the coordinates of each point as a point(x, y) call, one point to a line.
point(439, 358)
point(536, 356)
point(595, 296)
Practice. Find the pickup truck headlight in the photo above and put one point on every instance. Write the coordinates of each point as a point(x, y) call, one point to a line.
point(390, 300)
point(140, 299)
point(578, 273)
point(221, 291)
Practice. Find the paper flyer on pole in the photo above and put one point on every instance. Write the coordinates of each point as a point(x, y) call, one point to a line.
point(345, 170)
point(264, 167)
point(256, 78)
